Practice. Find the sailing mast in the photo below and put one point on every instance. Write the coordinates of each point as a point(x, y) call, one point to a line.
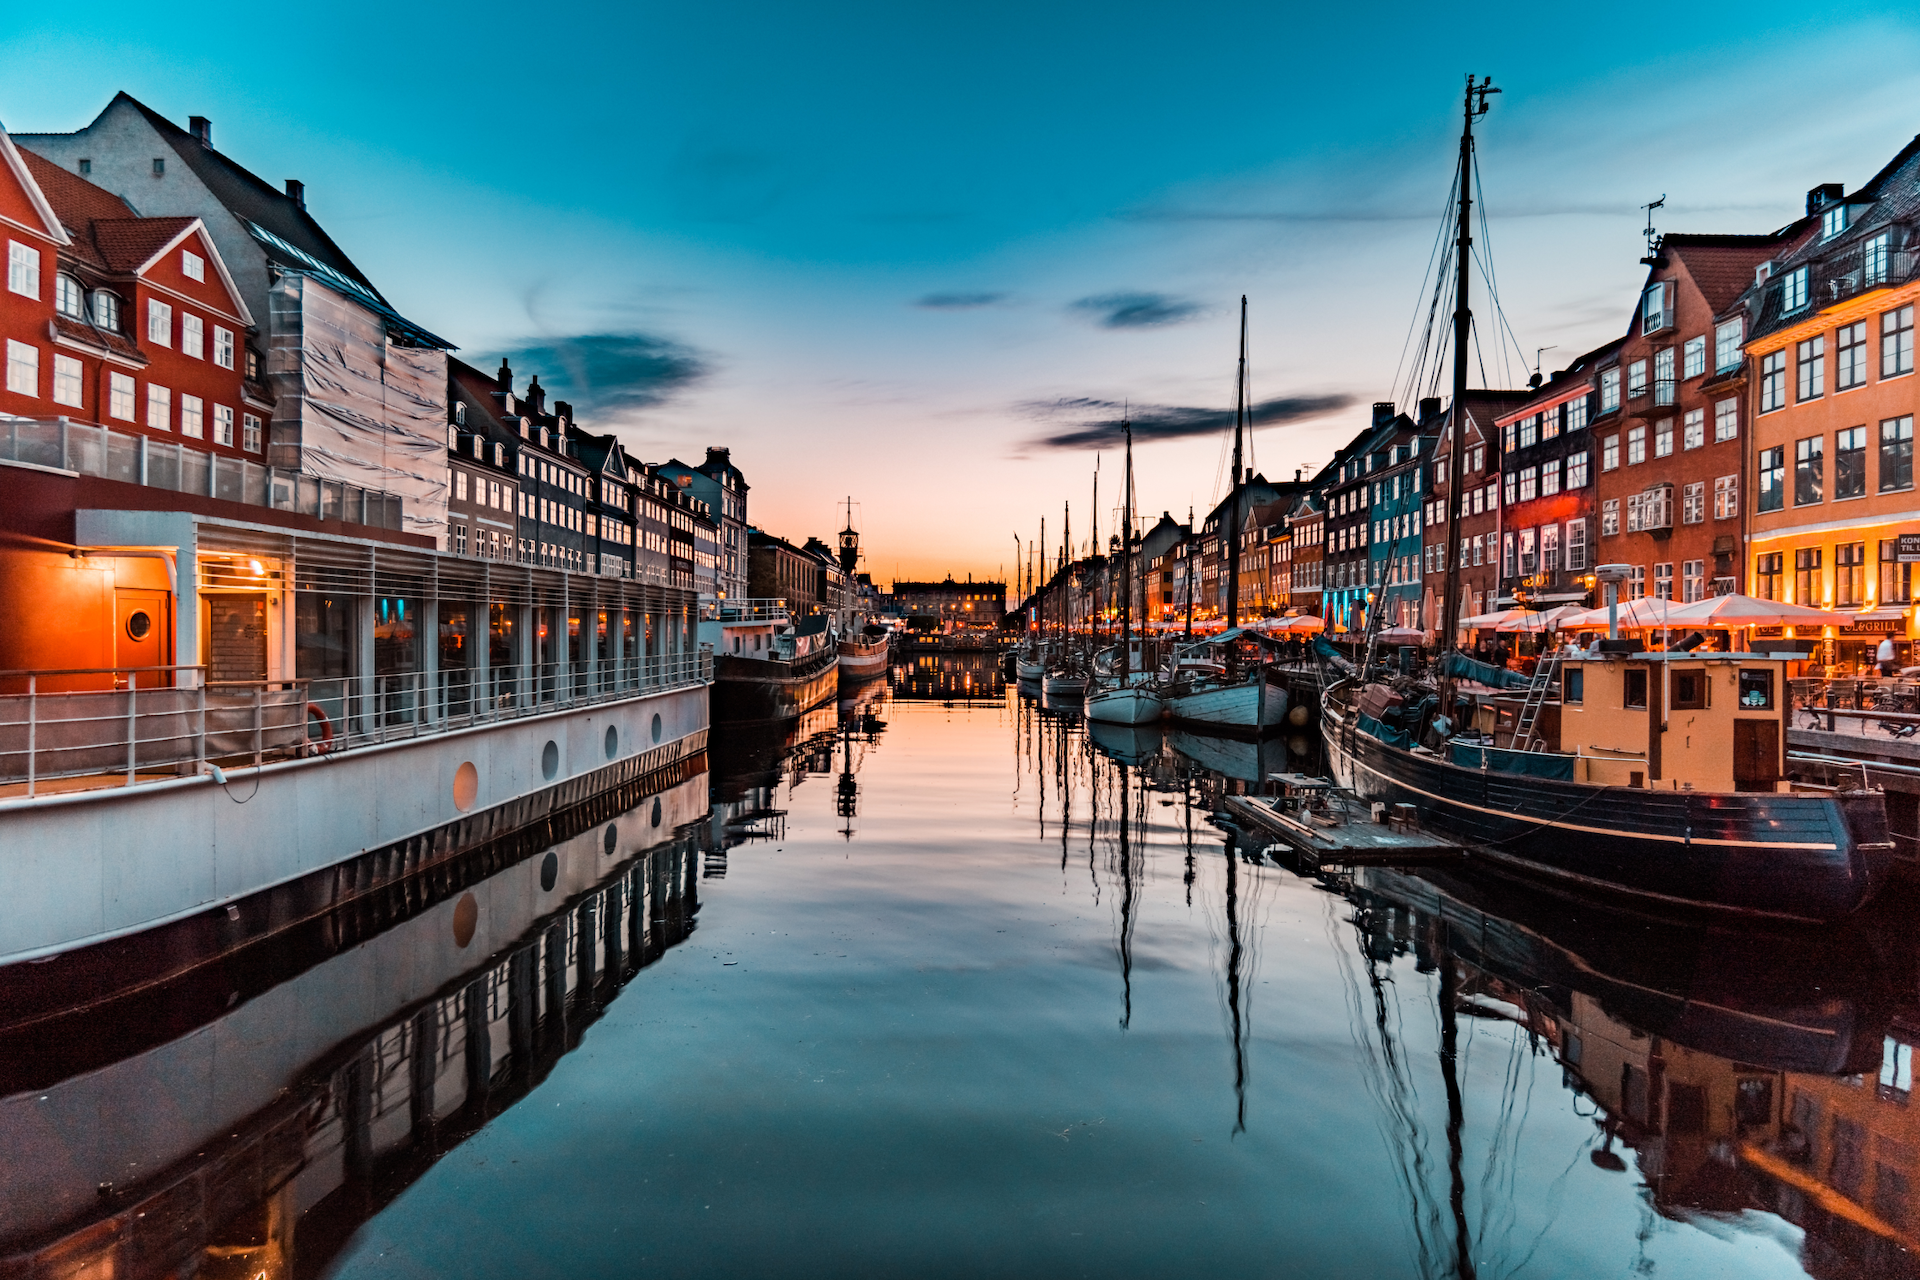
point(1066, 574)
point(1233, 500)
point(1126, 568)
point(1093, 548)
point(1475, 107)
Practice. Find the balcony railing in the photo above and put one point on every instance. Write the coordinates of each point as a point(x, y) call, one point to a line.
point(1836, 279)
point(180, 468)
point(123, 726)
point(771, 609)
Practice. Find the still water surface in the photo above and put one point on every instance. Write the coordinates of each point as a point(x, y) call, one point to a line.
point(950, 988)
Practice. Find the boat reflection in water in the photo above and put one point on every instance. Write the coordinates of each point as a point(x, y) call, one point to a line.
point(315, 1077)
point(753, 766)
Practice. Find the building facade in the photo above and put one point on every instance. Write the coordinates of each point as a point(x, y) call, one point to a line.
point(1544, 521)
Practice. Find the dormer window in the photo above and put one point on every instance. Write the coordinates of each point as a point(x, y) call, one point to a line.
point(1833, 221)
point(1656, 309)
point(69, 297)
point(106, 310)
point(460, 414)
point(1793, 289)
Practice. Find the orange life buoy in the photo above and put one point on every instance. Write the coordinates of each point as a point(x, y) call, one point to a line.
point(326, 727)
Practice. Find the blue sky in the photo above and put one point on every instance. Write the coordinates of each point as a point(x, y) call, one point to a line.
point(891, 251)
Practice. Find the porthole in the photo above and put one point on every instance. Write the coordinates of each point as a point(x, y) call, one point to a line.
point(140, 626)
point(612, 838)
point(656, 811)
point(550, 759)
point(466, 786)
point(656, 726)
point(466, 918)
point(613, 742)
point(549, 871)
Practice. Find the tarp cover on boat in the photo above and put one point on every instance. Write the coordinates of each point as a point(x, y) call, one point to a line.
point(1533, 764)
point(1461, 667)
point(1392, 737)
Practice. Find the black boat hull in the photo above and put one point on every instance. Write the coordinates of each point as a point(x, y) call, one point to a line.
point(1805, 857)
point(757, 689)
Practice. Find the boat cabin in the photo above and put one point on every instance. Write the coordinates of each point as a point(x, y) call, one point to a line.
point(1676, 721)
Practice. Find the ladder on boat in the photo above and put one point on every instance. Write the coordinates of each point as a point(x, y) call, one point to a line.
point(1544, 674)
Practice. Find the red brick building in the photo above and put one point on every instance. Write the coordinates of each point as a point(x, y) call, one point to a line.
point(1477, 532)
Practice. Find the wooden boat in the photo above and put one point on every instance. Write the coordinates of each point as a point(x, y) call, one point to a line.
point(798, 672)
point(863, 655)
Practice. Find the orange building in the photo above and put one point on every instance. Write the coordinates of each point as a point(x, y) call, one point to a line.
point(1830, 360)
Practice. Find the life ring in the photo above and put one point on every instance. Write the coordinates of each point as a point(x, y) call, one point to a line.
point(326, 727)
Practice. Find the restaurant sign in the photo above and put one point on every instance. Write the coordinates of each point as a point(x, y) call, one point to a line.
point(1909, 549)
point(1893, 626)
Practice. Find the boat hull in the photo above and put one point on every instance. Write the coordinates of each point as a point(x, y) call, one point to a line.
point(1029, 670)
point(1786, 856)
point(756, 689)
point(863, 659)
point(1132, 704)
point(1255, 705)
point(1065, 686)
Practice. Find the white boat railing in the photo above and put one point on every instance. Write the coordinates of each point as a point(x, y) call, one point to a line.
point(81, 728)
point(768, 609)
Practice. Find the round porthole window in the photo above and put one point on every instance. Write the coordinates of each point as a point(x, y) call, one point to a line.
point(140, 626)
point(612, 840)
point(656, 811)
point(549, 871)
point(466, 918)
point(656, 726)
point(466, 786)
point(550, 760)
point(613, 742)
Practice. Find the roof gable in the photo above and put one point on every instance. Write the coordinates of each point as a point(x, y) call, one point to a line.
point(22, 202)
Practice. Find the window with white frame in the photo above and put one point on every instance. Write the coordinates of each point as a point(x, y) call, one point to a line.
point(223, 425)
point(1550, 548)
point(1550, 423)
point(1726, 420)
point(1693, 429)
point(250, 433)
point(23, 269)
point(67, 384)
point(1576, 545)
point(1773, 381)
point(1874, 255)
point(1663, 438)
point(1549, 478)
point(1609, 390)
point(1896, 342)
point(159, 408)
point(1529, 430)
point(1577, 470)
point(1637, 583)
point(23, 368)
point(1527, 553)
point(1610, 453)
point(1794, 291)
point(1693, 583)
point(1663, 581)
point(1636, 379)
point(192, 416)
point(223, 346)
point(1833, 221)
point(1529, 483)
point(1693, 503)
point(1636, 445)
point(1726, 345)
point(1654, 312)
point(1693, 357)
point(1726, 498)
point(1609, 517)
point(1577, 415)
point(1636, 512)
point(192, 265)
point(193, 336)
point(1850, 365)
point(69, 299)
point(159, 322)
point(106, 310)
point(120, 396)
point(1511, 484)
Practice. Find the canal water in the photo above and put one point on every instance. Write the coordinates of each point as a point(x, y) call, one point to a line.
point(939, 983)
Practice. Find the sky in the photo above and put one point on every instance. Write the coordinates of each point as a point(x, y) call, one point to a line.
point(921, 256)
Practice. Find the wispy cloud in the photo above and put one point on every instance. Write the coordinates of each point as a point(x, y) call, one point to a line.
point(1087, 423)
point(959, 301)
point(612, 375)
point(1136, 310)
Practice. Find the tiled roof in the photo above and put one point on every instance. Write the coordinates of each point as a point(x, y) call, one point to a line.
point(75, 201)
point(1722, 266)
point(113, 343)
point(125, 244)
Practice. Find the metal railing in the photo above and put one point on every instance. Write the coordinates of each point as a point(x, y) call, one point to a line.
point(180, 468)
point(118, 726)
point(744, 610)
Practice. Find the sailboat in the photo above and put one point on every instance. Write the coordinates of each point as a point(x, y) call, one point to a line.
point(1127, 696)
point(1216, 694)
point(1030, 660)
point(1064, 678)
point(1598, 789)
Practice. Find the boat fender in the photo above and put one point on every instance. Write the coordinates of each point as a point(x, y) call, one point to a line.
point(325, 741)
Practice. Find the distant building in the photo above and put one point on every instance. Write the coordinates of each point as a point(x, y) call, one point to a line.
point(722, 487)
point(969, 603)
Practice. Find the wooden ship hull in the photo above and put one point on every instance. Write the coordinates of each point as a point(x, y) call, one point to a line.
point(863, 658)
point(751, 689)
point(1253, 705)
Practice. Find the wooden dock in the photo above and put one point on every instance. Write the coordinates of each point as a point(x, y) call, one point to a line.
point(1336, 829)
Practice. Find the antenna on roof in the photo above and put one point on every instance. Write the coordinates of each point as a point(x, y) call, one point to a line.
point(1534, 381)
point(1653, 237)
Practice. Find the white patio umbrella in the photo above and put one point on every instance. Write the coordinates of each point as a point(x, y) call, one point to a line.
point(1748, 611)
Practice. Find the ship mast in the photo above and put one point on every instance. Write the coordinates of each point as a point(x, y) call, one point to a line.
point(1126, 568)
point(1474, 107)
point(1232, 540)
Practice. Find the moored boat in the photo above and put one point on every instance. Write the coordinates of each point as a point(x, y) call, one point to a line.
point(797, 670)
point(863, 655)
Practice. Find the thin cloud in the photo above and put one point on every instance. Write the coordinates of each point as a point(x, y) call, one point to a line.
point(959, 301)
point(611, 374)
point(1097, 423)
point(1136, 310)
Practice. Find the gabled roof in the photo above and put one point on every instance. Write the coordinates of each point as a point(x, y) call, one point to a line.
point(15, 160)
point(1722, 267)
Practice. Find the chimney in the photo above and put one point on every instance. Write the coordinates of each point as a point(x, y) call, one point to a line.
point(1382, 412)
point(505, 376)
point(1430, 408)
point(536, 396)
point(719, 458)
point(297, 192)
point(564, 410)
point(202, 130)
point(1823, 195)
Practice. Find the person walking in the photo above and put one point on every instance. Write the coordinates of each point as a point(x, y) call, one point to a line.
point(1885, 657)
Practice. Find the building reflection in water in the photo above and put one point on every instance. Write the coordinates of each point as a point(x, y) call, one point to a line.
point(757, 768)
point(959, 678)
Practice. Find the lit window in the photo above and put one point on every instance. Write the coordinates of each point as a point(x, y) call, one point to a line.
point(23, 368)
point(192, 265)
point(67, 381)
point(120, 396)
point(223, 347)
point(159, 323)
point(223, 425)
point(159, 408)
point(69, 298)
point(193, 336)
point(192, 416)
point(1726, 497)
point(23, 269)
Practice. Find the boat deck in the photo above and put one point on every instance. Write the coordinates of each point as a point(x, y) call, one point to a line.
point(1336, 829)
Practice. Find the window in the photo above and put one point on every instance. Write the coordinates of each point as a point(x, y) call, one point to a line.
point(1636, 445)
point(1637, 584)
point(1610, 453)
point(1478, 458)
point(1726, 497)
point(1808, 471)
point(1849, 574)
point(1806, 577)
point(1850, 462)
point(1756, 689)
point(1550, 423)
point(1851, 368)
point(1873, 259)
point(1693, 582)
point(253, 365)
point(1634, 688)
point(1896, 454)
point(23, 269)
point(192, 265)
point(66, 381)
point(159, 408)
point(159, 167)
point(1896, 579)
point(1576, 471)
point(1573, 684)
point(1527, 561)
point(1773, 381)
point(1767, 575)
point(1773, 478)
point(1549, 478)
point(1793, 289)
point(1833, 221)
point(106, 310)
point(1507, 547)
point(1550, 549)
point(1693, 429)
point(193, 336)
point(1529, 430)
point(69, 298)
point(1609, 517)
point(223, 425)
point(1654, 312)
point(1663, 376)
point(192, 420)
point(1726, 345)
point(1529, 483)
point(1577, 414)
point(1511, 485)
point(1810, 362)
point(1726, 420)
point(223, 347)
point(1609, 390)
point(1636, 379)
point(250, 433)
point(1663, 438)
point(120, 396)
point(23, 368)
point(1896, 342)
point(1693, 503)
point(159, 323)
point(1693, 357)
point(1576, 545)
